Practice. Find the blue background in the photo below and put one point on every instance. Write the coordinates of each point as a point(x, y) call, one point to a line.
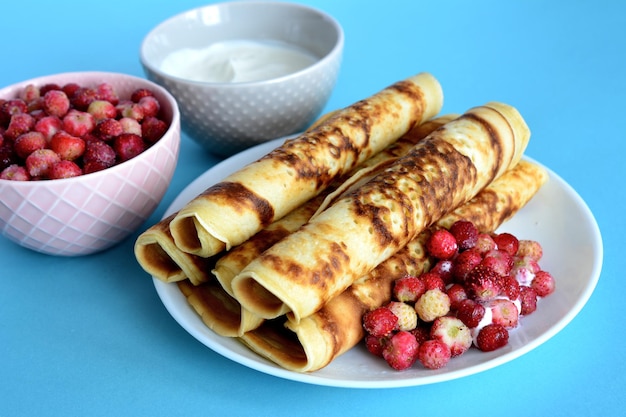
point(89, 336)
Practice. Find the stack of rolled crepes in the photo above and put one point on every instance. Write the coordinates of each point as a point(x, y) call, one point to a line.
point(290, 251)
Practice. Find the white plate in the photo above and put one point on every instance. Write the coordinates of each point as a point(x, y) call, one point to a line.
point(557, 217)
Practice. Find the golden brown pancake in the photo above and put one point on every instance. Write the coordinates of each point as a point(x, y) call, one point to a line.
point(305, 270)
point(231, 211)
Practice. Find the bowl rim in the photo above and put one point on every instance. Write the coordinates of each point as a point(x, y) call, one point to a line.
point(331, 55)
point(174, 127)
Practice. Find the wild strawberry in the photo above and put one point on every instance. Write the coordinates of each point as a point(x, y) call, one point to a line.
point(456, 293)
point(509, 287)
point(70, 89)
point(530, 248)
point(140, 93)
point(464, 263)
point(100, 152)
point(78, 123)
point(400, 351)
point(19, 124)
point(153, 129)
point(64, 169)
point(432, 304)
point(14, 173)
point(30, 93)
point(503, 312)
point(130, 110)
point(49, 87)
point(150, 106)
point(82, 98)
point(470, 312)
point(444, 268)
point(441, 244)
point(434, 354)
point(56, 103)
point(108, 129)
point(506, 242)
point(408, 289)
point(12, 106)
point(453, 332)
point(7, 155)
point(432, 281)
point(128, 145)
point(106, 92)
point(67, 146)
point(465, 233)
point(101, 109)
point(375, 345)
point(407, 317)
point(48, 126)
point(499, 260)
point(492, 337)
point(380, 322)
point(485, 243)
point(543, 283)
point(39, 162)
point(482, 284)
point(528, 300)
point(421, 332)
point(524, 270)
point(131, 126)
point(28, 142)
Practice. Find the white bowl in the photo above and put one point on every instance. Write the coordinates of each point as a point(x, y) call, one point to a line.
point(90, 213)
point(227, 117)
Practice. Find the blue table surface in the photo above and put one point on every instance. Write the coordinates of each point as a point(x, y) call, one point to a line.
point(89, 336)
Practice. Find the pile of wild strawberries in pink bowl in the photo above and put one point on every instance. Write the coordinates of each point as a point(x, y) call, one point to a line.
point(85, 158)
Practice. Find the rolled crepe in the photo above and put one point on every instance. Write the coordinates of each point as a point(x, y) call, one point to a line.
point(231, 211)
point(159, 256)
point(308, 268)
point(216, 303)
point(319, 338)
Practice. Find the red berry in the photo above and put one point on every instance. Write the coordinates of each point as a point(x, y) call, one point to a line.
point(56, 103)
point(153, 129)
point(82, 98)
point(444, 268)
point(441, 244)
point(128, 145)
point(465, 233)
point(464, 263)
point(106, 92)
point(492, 337)
point(14, 173)
point(408, 289)
point(400, 351)
point(139, 93)
point(543, 283)
point(509, 287)
point(64, 169)
point(528, 300)
point(506, 242)
point(375, 345)
point(68, 147)
point(78, 123)
point(28, 142)
point(100, 152)
point(485, 243)
point(470, 312)
point(434, 354)
point(421, 333)
point(108, 129)
point(101, 109)
point(432, 281)
point(456, 292)
point(18, 125)
point(499, 260)
point(39, 162)
point(150, 106)
point(379, 322)
point(482, 284)
point(48, 126)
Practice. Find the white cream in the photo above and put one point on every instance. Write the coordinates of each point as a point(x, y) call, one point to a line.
point(237, 61)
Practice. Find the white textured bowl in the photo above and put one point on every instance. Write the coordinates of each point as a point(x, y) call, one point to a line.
point(226, 118)
point(90, 213)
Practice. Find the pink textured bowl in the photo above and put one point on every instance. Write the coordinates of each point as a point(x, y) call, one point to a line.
point(90, 213)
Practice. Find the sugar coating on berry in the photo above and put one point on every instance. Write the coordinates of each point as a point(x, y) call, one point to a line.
point(432, 304)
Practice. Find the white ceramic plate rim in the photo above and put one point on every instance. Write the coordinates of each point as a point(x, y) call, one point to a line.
point(557, 217)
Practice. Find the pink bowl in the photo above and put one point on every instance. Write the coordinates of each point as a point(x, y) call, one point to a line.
point(90, 213)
